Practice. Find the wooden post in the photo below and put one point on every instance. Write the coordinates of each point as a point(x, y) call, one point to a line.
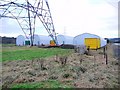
point(105, 54)
point(106, 58)
point(104, 51)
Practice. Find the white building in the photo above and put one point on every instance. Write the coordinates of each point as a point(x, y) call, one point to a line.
point(41, 39)
point(20, 40)
point(37, 40)
point(64, 39)
point(45, 40)
point(80, 39)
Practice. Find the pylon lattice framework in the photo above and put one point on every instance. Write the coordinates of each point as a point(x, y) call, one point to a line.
point(26, 12)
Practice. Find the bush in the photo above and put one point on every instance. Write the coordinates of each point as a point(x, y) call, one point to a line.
point(66, 75)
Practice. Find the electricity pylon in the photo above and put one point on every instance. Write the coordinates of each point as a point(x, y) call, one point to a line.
point(26, 12)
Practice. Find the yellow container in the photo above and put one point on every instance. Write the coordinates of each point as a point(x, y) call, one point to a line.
point(93, 43)
point(52, 43)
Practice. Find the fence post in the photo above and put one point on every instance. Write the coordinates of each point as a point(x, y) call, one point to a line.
point(105, 54)
point(104, 51)
point(106, 58)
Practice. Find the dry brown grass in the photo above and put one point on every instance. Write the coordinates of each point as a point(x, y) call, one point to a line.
point(91, 72)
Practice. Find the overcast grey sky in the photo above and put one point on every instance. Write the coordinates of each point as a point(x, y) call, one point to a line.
point(73, 17)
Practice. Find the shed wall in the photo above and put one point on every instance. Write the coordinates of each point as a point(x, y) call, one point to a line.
point(20, 40)
point(44, 39)
point(64, 39)
point(103, 42)
point(41, 39)
point(36, 40)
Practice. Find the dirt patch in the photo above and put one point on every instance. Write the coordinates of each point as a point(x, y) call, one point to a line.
point(82, 71)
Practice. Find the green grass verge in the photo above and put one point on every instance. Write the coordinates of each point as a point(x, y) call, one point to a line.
point(43, 84)
point(26, 53)
point(8, 45)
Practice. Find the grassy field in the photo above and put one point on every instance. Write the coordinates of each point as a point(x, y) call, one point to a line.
point(11, 52)
point(23, 68)
point(27, 53)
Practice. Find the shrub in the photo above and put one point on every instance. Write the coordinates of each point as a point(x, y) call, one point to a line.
point(66, 75)
point(42, 64)
point(63, 60)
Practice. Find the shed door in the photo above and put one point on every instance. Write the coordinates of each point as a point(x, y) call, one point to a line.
point(27, 42)
point(94, 43)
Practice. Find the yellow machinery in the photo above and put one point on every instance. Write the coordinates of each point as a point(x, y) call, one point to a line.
point(52, 43)
point(92, 43)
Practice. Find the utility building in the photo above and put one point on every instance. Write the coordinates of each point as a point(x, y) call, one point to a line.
point(20, 40)
point(37, 40)
point(64, 39)
point(89, 40)
point(41, 40)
